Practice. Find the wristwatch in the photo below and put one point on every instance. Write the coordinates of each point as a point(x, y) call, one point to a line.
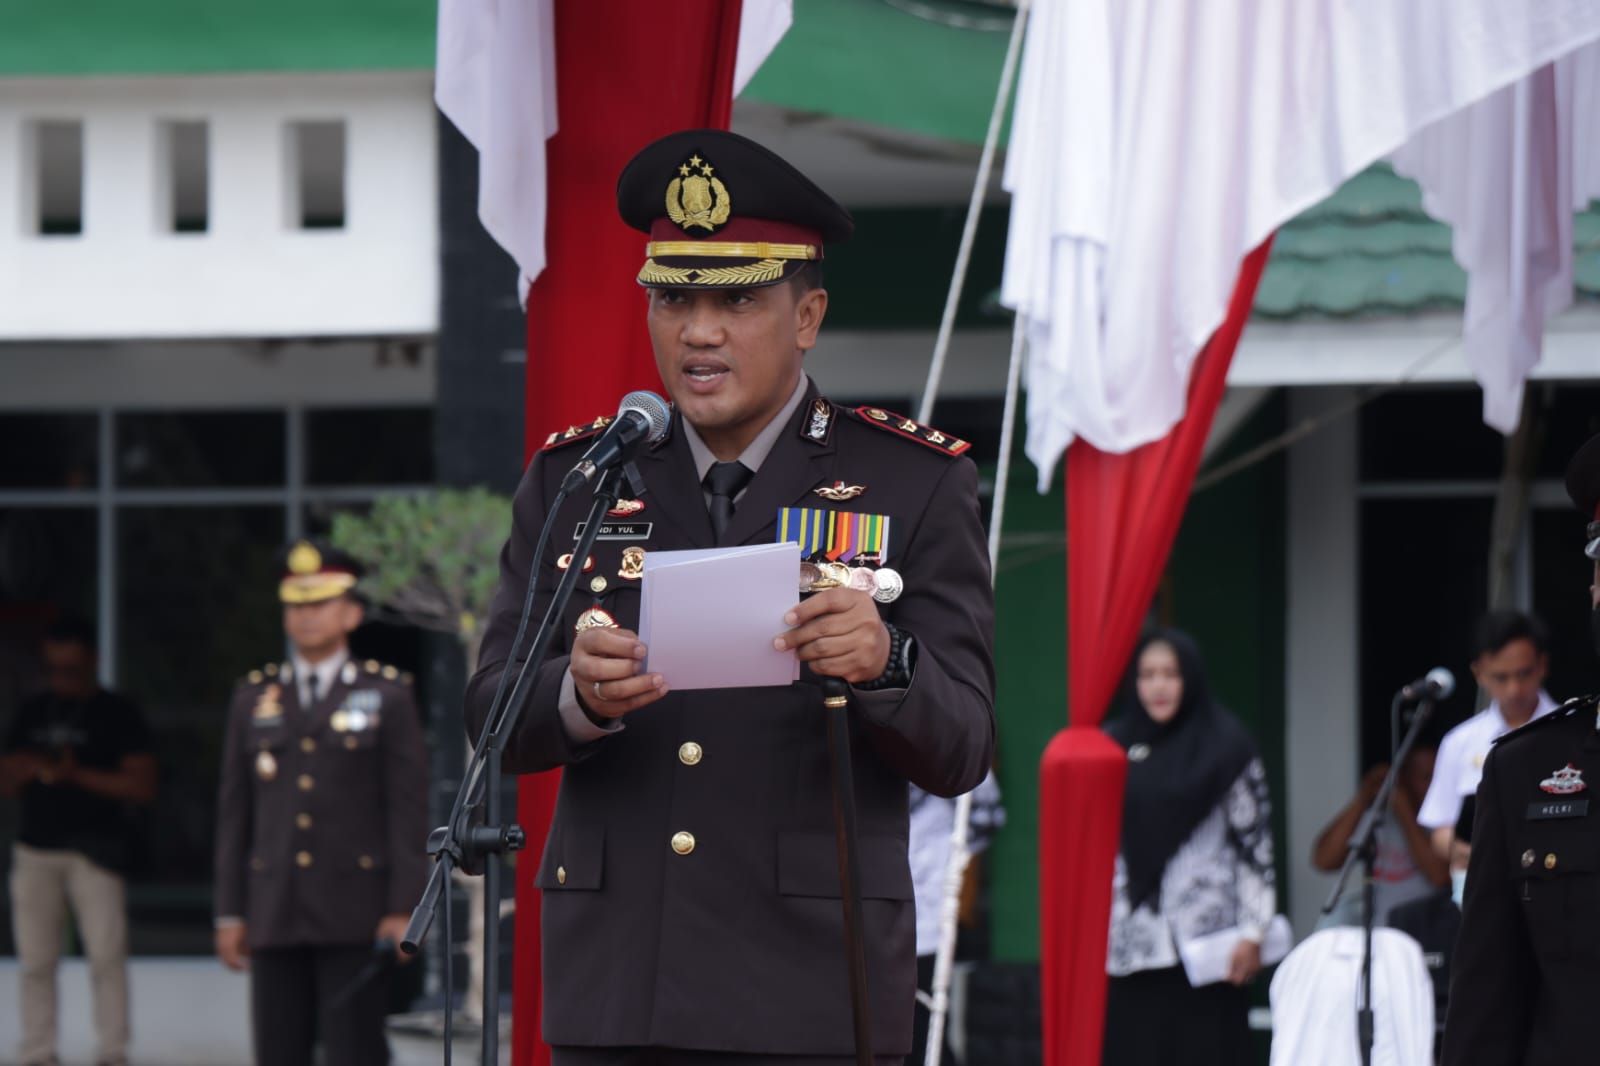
point(902, 662)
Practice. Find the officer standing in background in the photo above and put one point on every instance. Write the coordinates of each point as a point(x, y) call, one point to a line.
point(690, 885)
point(1527, 973)
point(321, 826)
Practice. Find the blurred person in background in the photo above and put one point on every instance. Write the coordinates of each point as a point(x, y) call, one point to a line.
point(1406, 867)
point(1510, 658)
point(1195, 860)
point(321, 827)
point(77, 755)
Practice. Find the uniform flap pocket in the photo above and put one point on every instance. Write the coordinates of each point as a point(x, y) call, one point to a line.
point(1547, 855)
point(573, 859)
point(808, 865)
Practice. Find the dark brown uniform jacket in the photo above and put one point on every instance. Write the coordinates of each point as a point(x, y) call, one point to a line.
point(321, 826)
point(738, 945)
point(1527, 973)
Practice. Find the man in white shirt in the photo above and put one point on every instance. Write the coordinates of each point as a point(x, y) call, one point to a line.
point(1510, 660)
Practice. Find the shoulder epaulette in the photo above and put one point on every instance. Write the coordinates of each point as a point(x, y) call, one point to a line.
point(389, 673)
point(1575, 706)
point(269, 672)
point(902, 426)
point(572, 433)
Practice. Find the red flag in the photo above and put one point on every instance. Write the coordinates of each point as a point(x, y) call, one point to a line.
point(627, 72)
point(1122, 517)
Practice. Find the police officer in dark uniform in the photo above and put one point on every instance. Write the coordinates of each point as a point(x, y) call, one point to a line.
point(321, 826)
point(1527, 973)
point(691, 901)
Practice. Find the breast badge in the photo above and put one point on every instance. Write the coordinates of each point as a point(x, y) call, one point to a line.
point(594, 618)
point(266, 766)
point(1564, 782)
point(268, 710)
point(632, 564)
point(839, 491)
point(626, 508)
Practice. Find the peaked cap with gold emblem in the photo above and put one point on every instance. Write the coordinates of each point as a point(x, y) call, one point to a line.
point(724, 212)
point(314, 570)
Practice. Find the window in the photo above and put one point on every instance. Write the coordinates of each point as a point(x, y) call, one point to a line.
point(58, 178)
point(187, 176)
point(317, 165)
point(198, 448)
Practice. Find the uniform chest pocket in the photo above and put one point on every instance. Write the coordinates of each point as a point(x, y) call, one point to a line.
point(1557, 874)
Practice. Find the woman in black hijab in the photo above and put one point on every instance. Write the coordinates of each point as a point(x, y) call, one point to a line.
point(1195, 860)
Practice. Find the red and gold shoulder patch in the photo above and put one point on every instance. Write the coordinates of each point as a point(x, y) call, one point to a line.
point(903, 426)
point(578, 432)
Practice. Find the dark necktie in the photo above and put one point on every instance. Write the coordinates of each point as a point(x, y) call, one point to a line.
point(725, 481)
point(314, 685)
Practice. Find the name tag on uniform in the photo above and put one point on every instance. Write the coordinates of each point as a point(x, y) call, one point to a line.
point(1557, 809)
point(617, 531)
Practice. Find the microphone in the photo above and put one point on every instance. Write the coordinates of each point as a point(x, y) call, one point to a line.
point(1437, 685)
point(642, 418)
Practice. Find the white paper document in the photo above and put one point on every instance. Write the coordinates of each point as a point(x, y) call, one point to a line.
point(1206, 958)
point(708, 616)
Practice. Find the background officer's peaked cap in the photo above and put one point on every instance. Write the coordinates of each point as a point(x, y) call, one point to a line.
point(1583, 485)
point(312, 570)
point(724, 212)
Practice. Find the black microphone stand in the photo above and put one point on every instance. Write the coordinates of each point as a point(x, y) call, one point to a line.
point(474, 838)
point(1363, 848)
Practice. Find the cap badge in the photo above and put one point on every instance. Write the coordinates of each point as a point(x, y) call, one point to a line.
point(304, 559)
point(839, 491)
point(1564, 782)
point(696, 198)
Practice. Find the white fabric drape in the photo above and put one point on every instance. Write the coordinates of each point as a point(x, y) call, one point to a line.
point(1314, 996)
point(495, 78)
point(1155, 144)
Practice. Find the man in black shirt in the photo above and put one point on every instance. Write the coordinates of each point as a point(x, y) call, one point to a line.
point(76, 755)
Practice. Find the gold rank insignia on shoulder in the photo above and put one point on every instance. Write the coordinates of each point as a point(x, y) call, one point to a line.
point(904, 427)
point(572, 433)
point(254, 677)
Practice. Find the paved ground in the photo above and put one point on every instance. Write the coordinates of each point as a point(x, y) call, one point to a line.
point(186, 1012)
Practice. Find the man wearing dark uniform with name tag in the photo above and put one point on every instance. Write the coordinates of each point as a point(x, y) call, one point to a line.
point(1527, 971)
point(691, 900)
point(321, 826)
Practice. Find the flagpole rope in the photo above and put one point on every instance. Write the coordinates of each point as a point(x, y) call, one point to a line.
point(969, 231)
point(937, 999)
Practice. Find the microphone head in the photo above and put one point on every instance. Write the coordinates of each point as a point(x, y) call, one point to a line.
point(1443, 680)
point(653, 408)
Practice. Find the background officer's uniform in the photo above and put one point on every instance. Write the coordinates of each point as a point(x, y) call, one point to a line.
point(690, 882)
point(321, 831)
point(1527, 973)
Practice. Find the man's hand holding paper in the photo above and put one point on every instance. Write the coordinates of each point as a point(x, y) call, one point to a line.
point(605, 673)
point(839, 633)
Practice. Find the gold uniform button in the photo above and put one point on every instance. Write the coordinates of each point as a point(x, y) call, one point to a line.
point(305, 783)
point(690, 753)
point(682, 843)
point(1527, 858)
point(365, 862)
point(561, 875)
point(1550, 861)
point(350, 744)
point(302, 821)
point(308, 745)
point(302, 859)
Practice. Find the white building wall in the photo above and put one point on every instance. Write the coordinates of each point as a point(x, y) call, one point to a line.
point(1322, 727)
point(254, 272)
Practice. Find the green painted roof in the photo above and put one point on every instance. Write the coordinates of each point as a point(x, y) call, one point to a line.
point(1369, 249)
point(78, 38)
point(874, 62)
